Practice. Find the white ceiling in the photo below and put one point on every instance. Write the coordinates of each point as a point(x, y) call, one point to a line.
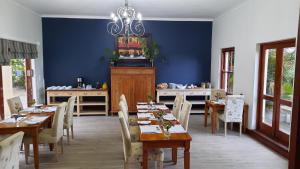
point(151, 9)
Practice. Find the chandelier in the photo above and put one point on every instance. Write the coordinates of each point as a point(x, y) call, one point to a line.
point(126, 22)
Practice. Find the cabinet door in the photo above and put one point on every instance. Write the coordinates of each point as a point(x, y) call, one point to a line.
point(121, 84)
point(144, 86)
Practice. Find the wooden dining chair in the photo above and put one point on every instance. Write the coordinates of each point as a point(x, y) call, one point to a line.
point(123, 107)
point(68, 118)
point(53, 135)
point(213, 96)
point(233, 112)
point(185, 114)
point(123, 98)
point(15, 105)
point(177, 105)
point(10, 151)
point(133, 150)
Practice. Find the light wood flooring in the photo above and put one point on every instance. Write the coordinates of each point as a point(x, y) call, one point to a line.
point(98, 145)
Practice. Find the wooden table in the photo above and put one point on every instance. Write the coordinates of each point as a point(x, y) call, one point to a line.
point(32, 130)
point(176, 140)
point(217, 107)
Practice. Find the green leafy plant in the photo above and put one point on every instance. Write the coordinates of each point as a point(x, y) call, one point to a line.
point(167, 124)
point(31, 102)
point(151, 51)
point(161, 113)
point(113, 55)
point(150, 98)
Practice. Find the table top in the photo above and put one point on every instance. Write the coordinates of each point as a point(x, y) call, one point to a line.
point(160, 137)
point(22, 124)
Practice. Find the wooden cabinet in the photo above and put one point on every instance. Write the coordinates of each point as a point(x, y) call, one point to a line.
point(136, 83)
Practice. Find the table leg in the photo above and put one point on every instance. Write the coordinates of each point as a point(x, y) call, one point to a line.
point(35, 142)
point(187, 155)
point(145, 157)
point(205, 114)
point(174, 155)
point(213, 120)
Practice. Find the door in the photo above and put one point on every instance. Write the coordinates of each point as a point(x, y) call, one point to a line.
point(17, 81)
point(277, 72)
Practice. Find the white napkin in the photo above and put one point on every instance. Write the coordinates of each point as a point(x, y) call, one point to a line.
point(169, 116)
point(35, 119)
point(150, 129)
point(49, 109)
point(145, 115)
point(143, 111)
point(144, 122)
point(142, 107)
point(28, 109)
point(162, 107)
point(11, 120)
point(177, 129)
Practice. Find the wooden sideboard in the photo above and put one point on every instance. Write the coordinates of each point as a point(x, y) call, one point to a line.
point(88, 102)
point(136, 83)
point(196, 96)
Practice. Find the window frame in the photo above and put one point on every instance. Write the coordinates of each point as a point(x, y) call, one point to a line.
point(223, 72)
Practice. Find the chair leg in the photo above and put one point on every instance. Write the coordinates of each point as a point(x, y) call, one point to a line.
point(155, 164)
point(72, 131)
point(125, 165)
point(62, 145)
point(56, 151)
point(26, 149)
point(225, 128)
point(161, 165)
point(68, 135)
point(240, 129)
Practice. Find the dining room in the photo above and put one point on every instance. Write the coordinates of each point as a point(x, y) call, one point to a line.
point(163, 84)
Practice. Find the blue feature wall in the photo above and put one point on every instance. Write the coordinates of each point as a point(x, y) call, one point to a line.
point(74, 48)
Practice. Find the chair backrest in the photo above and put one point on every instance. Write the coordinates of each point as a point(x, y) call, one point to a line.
point(68, 120)
point(124, 109)
point(177, 105)
point(125, 136)
point(123, 98)
point(234, 108)
point(215, 92)
point(10, 150)
point(15, 104)
point(185, 114)
point(58, 121)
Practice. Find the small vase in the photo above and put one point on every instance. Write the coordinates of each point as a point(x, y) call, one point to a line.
point(167, 133)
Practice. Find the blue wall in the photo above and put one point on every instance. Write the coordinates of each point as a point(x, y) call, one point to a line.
point(74, 48)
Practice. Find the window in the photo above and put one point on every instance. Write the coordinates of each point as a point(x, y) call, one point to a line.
point(227, 69)
point(276, 80)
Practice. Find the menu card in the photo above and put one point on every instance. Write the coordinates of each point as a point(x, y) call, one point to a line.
point(150, 129)
point(169, 116)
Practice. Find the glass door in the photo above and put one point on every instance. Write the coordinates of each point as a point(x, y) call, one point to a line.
point(277, 72)
point(17, 81)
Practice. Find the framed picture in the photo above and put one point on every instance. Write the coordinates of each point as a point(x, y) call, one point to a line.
point(133, 50)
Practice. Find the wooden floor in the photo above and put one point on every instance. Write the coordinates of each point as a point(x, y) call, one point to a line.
point(98, 145)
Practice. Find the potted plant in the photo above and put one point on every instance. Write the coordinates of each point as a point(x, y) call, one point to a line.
point(150, 99)
point(151, 51)
point(167, 125)
point(113, 55)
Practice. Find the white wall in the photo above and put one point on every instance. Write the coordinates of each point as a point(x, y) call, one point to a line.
point(21, 24)
point(244, 27)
